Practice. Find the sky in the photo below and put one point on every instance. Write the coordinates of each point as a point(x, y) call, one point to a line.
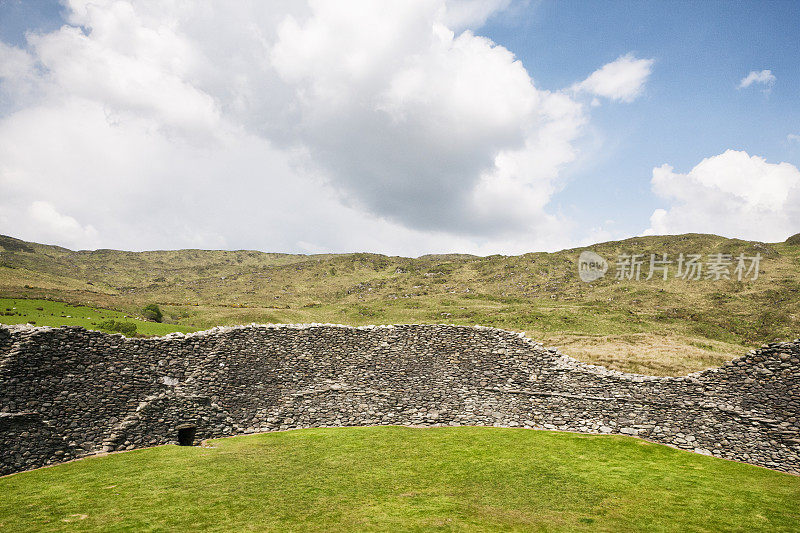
point(401, 127)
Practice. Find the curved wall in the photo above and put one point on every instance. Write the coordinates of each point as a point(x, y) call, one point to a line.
point(68, 392)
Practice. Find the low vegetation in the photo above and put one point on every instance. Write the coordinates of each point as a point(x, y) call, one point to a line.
point(112, 326)
point(403, 479)
point(153, 313)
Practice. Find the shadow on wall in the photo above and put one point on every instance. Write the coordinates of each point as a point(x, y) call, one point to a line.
point(170, 418)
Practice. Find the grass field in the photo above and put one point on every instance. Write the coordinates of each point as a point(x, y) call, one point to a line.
point(403, 479)
point(49, 313)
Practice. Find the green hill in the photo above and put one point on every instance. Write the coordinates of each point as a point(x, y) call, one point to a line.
point(651, 326)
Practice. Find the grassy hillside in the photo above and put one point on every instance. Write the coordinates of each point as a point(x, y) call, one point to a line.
point(656, 326)
point(50, 313)
point(404, 479)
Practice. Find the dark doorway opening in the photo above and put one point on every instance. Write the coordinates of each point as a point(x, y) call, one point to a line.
point(186, 435)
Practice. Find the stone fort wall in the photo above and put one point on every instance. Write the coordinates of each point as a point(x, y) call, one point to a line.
point(68, 392)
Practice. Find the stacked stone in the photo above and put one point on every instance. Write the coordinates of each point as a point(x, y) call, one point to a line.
point(68, 392)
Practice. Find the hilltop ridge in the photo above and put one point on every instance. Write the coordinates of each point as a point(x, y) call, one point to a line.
point(651, 326)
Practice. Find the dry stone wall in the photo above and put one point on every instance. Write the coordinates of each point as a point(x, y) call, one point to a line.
point(68, 392)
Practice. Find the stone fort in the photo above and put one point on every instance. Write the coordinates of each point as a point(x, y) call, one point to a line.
point(67, 392)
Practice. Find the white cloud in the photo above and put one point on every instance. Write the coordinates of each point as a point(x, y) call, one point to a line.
point(732, 194)
point(793, 138)
point(60, 228)
point(287, 127)
point(128, 185)
point(411, 119)
point(16, 64)
point(133, 68)
point(763, 77)
point(623, 79)
point(17, 77)
point(461, 14)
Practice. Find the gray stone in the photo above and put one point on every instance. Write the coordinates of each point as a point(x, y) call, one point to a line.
point(67, 392)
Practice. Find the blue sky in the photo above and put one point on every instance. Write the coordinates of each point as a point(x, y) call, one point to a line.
point(691, 109)
point(401, 140)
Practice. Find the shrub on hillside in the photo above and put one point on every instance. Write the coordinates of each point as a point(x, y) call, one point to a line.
point(152, 312)
point(113, 326)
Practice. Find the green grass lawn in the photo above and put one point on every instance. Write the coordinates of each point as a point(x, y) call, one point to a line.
point(403, 479)
point(50, 313)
